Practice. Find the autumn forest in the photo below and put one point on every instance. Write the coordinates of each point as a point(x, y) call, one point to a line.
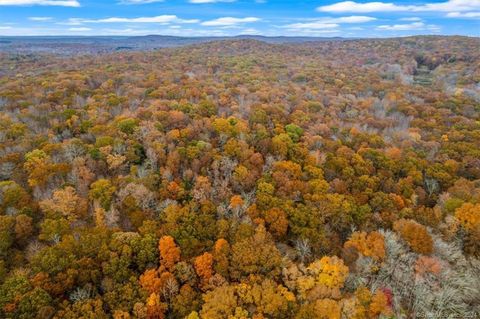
point(241, 179)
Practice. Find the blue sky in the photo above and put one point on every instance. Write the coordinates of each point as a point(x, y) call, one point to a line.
point(357, 18)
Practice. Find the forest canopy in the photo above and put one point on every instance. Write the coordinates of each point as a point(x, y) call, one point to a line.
point(240, 179)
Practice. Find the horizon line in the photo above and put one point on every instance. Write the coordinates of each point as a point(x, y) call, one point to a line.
point(232, 36)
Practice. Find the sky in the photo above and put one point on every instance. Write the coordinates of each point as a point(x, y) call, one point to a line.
point(357, 18)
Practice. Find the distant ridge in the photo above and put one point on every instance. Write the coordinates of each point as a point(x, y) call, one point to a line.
point(71, 45)
point(104, 44)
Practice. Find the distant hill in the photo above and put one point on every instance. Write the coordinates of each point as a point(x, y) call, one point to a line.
point(105, 44)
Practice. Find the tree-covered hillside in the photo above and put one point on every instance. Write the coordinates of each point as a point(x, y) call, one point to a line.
point(240, 179)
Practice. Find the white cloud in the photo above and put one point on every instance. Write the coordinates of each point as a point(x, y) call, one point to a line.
point(411, 19)
point(464, 15)
point(350, 19)
point(351, 6)
point(5, 28)
point(452, 5)
point(60, 3)
point(329, 23)
point(312, 25)
point(447, 6)
point(163, 19)
point(72, 21)
point(127, 31)
point(409, 27)
point(251, 31)
point(166, 31)
point(229, 21)
point(402, 27)
point(40, 18)
point(312, 32)
point(79, 29)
